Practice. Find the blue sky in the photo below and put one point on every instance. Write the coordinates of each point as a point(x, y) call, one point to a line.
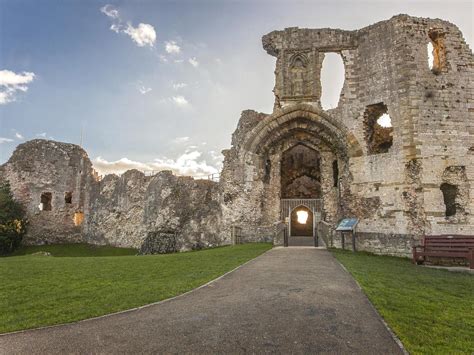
point(164, 94)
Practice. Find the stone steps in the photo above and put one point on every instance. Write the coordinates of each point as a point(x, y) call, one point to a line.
point(300, 241)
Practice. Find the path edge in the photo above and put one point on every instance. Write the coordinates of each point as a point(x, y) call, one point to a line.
point(130, 310)
point(392, 333)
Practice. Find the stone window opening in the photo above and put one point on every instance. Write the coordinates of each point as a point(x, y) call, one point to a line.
point(450, 192)
point(332, 80)
point(78, 218)
point(436, 51)
point(335, 173)
point(68, 197)
point(46, 199)
point(378, 129)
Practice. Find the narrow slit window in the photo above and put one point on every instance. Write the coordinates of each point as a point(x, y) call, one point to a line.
point(335, 173)
point(436, 51)
point(68, 197)
point(46, 199)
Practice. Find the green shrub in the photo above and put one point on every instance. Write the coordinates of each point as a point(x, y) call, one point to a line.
point(12, 221)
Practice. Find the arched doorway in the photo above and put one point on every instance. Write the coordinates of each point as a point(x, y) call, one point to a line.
point(301, 222)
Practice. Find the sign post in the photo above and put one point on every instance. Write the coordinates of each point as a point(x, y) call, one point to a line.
point(347, 225)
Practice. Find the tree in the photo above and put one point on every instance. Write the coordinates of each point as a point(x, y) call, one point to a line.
point(12, 221)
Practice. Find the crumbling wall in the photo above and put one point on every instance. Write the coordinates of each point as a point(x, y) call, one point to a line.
point(125, 209)
point(118, 211)
point(60, 171)
point(392, 183)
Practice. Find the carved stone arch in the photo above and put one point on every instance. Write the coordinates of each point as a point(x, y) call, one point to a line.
point(306, 118)
point(299, 58)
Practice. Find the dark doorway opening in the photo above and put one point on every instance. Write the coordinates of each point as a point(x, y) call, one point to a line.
point(300, 173)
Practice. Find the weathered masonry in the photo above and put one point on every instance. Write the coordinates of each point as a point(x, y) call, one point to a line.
point(410, 176)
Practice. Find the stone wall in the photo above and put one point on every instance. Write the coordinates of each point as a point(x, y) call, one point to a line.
point(125, 209)
point(119, 211)
point(45, 167)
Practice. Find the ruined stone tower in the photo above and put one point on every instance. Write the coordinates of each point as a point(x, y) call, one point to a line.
point(412, 178)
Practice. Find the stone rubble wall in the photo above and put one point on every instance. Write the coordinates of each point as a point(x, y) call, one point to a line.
point(119, 211)
point(40, 166)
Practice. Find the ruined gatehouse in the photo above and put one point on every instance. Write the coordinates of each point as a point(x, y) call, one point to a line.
point(412, 178)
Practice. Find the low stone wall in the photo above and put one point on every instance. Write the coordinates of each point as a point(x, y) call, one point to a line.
point(378, 243)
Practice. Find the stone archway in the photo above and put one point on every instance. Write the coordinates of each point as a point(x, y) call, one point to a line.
point(301, 222)
point(298, 127)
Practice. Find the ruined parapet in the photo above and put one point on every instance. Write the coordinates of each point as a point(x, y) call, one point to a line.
point(125, 209)
point(52, 180)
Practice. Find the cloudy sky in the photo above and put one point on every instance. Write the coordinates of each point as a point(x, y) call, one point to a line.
point(159, 84)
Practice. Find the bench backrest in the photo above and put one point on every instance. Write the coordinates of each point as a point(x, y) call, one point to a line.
point(449, 242)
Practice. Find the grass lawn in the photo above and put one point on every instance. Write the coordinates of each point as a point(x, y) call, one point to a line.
point(44, 290)
point(75, 250)
point(431, 311)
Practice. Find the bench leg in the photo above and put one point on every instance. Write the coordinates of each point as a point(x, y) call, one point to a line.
point(416, 260)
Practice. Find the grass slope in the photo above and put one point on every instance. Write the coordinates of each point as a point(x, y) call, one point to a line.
point(37, 291)
point(431, 311)
point(74, 250)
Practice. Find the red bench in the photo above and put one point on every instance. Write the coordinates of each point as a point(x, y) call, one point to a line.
point(447, 246)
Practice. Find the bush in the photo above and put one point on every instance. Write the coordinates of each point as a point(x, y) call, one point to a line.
point(12, 221)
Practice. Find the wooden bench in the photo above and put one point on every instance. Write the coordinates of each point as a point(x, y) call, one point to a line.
point(448, 246)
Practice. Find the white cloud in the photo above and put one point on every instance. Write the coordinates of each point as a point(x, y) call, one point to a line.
point(177, 86)
point(178, 60)
point(143, 35)
point(115, 27)
point(163, 58)
point(172, 47)
point(42, 135)
point(143, 89)
point(19, 136)
point(11, 83)
point(110, 11)
point(181, 140)
point(188, 164)
point(180, 100)
point(193, 61)
point(5, 140)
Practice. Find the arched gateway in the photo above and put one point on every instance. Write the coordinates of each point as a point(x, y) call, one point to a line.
point(288, 165)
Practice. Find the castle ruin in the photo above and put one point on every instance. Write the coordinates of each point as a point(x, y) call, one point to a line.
point(412, 178)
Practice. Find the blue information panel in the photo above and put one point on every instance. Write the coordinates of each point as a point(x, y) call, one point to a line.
point(347, 224)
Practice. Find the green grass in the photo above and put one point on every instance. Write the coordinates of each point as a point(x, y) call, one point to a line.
point(430, 310)
point(37, 290)
point(74, 250)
